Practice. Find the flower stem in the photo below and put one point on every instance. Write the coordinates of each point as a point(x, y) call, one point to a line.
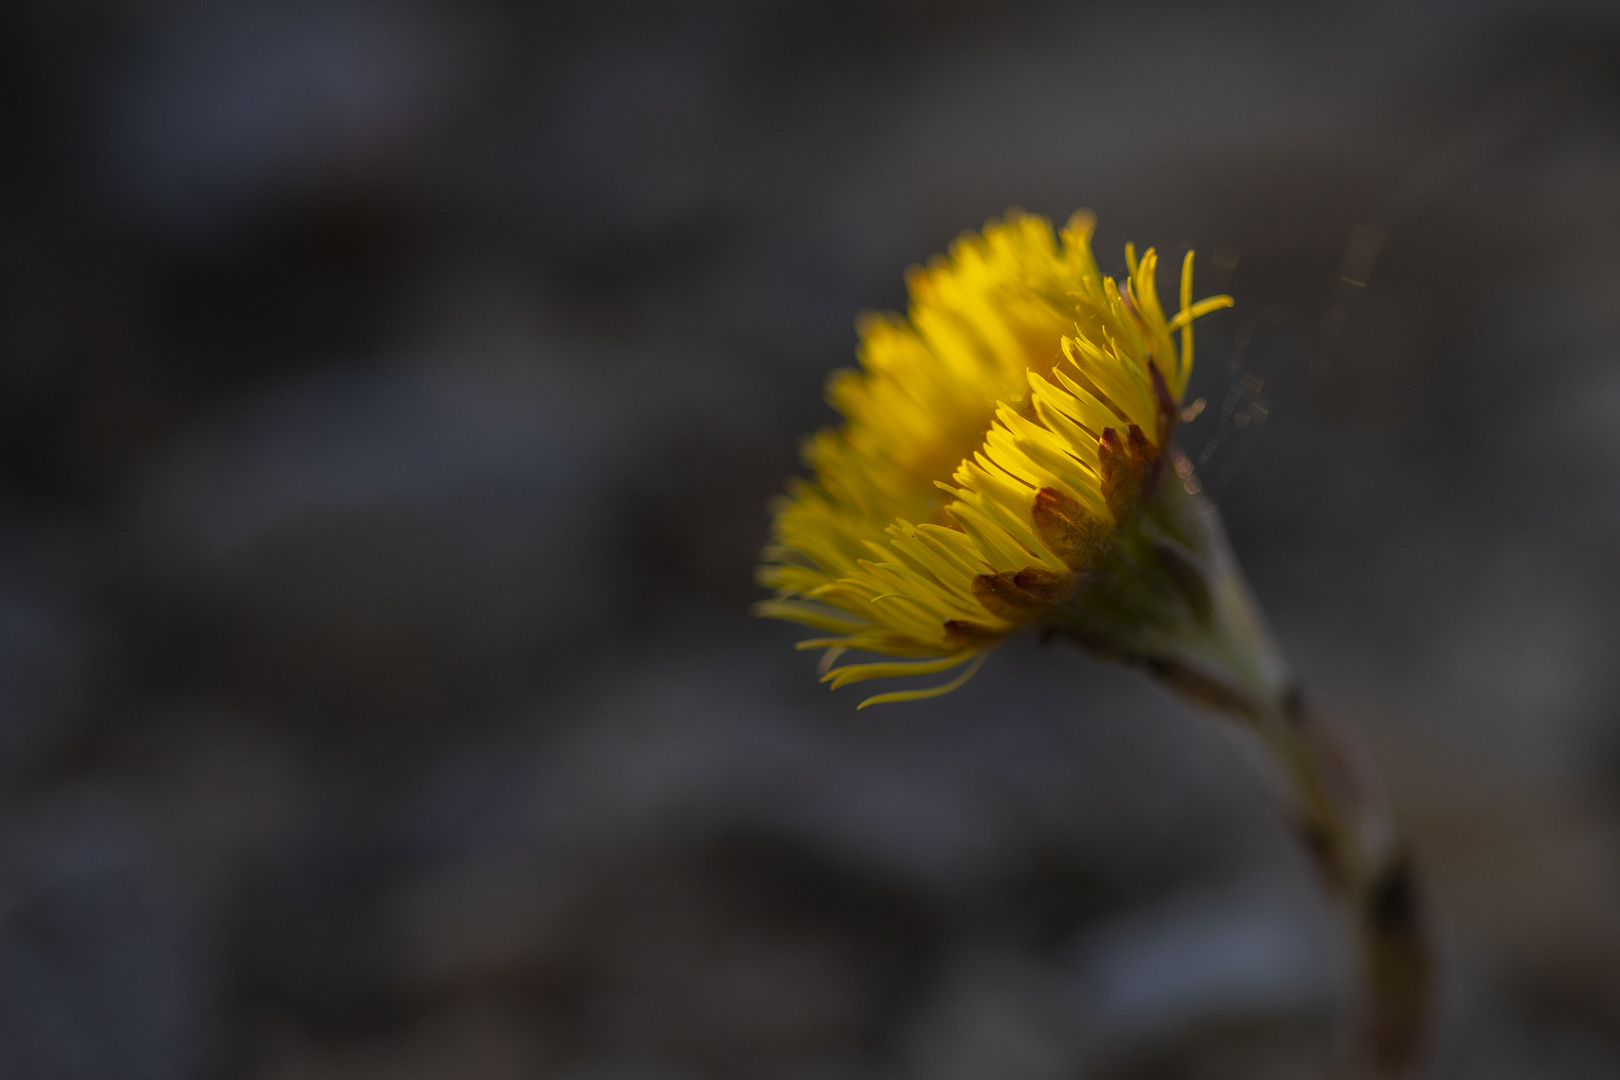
point(1168, 596)
point(1344, 824)
point(1347, 830)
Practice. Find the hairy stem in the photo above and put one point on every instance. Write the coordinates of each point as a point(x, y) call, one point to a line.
point(1167, 595)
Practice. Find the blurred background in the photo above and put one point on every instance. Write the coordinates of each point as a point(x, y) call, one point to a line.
point(390, 394)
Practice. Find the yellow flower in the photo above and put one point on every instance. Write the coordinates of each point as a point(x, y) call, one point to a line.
point(993, 444)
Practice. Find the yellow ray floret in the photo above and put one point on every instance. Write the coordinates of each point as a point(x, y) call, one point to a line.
point(987, 449)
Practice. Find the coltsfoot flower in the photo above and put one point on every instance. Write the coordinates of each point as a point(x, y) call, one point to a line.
point(998, 444)
point(1005, 464)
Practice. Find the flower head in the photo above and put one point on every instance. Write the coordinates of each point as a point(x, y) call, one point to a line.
point(995, 442)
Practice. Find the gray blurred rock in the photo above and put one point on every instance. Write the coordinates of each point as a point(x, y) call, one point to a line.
point(1264, 948)
point(388, 528)
point(216, 111)
point(100, 973)
point(48, 633)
